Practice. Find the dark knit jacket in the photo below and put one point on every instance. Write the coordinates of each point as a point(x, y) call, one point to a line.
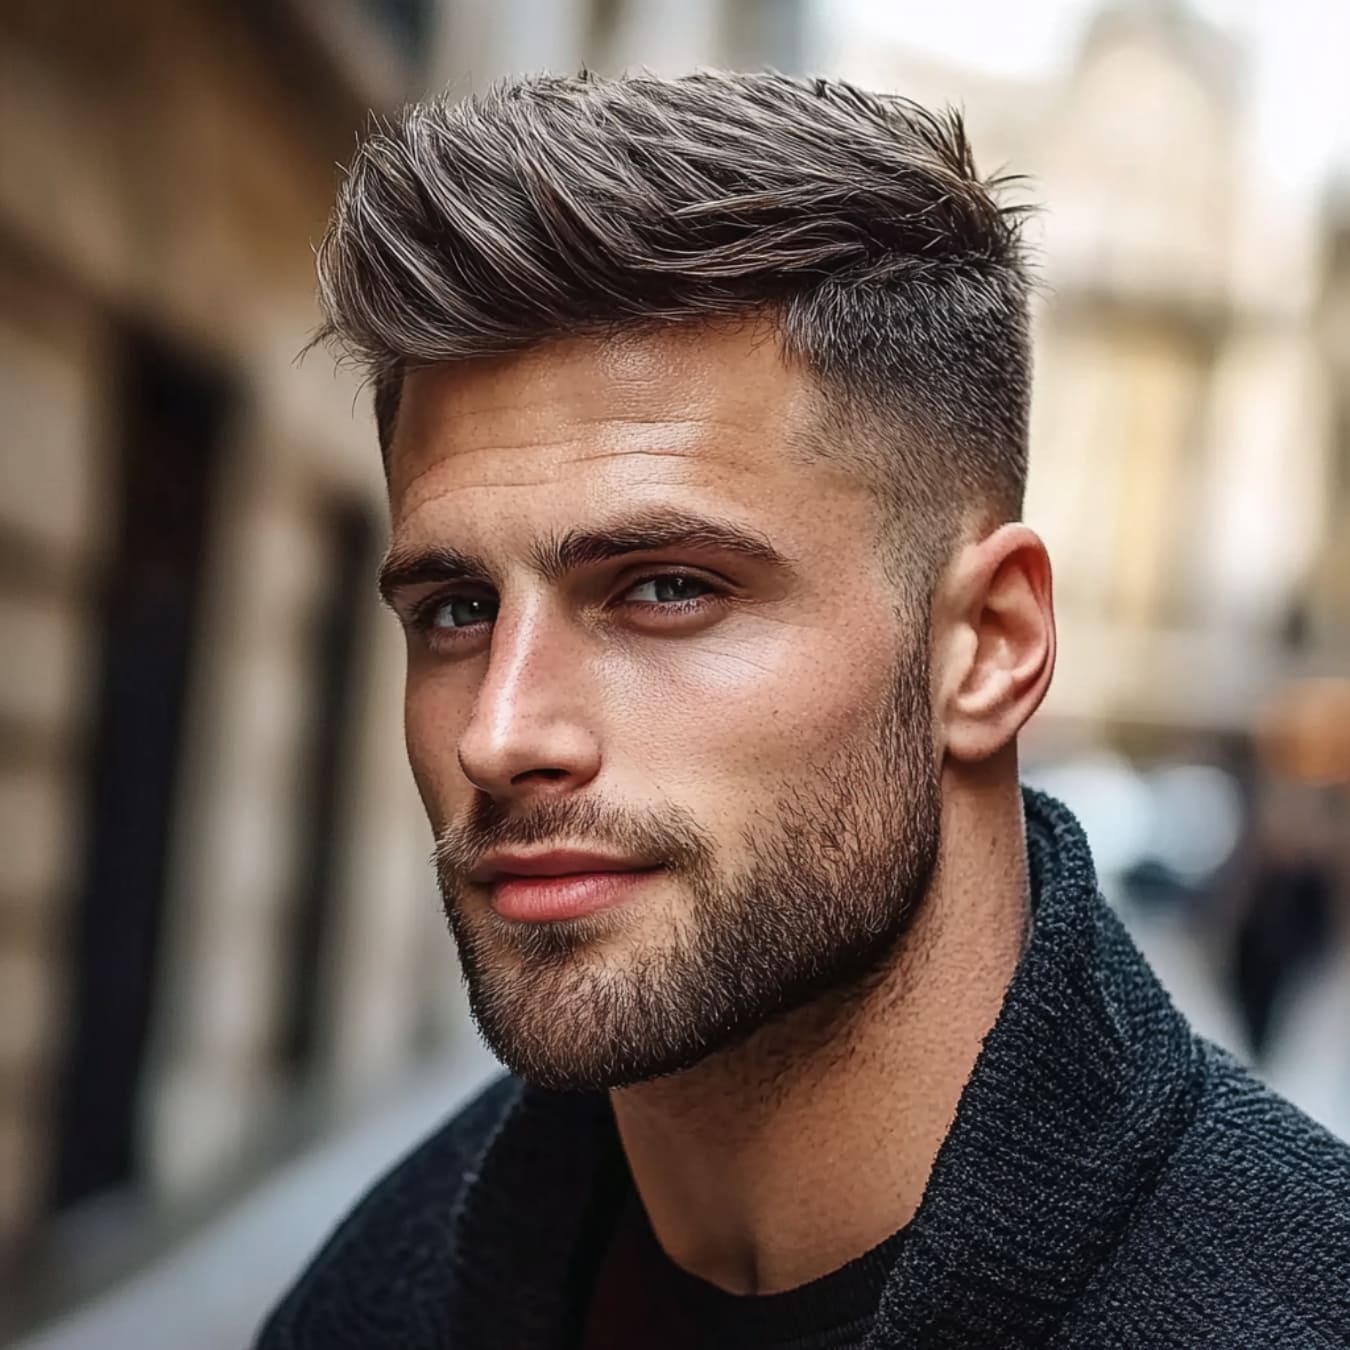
point(1110, 1180)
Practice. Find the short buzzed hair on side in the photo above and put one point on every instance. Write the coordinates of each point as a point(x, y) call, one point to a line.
point(554, 206)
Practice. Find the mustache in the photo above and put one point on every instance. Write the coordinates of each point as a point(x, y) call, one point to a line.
point(572, 823)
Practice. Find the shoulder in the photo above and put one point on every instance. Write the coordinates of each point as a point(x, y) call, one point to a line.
point(1264, 1183)
point(398, 1235)
point(1246, 1231)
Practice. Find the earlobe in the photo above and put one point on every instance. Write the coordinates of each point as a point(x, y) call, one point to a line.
point(1005, 657)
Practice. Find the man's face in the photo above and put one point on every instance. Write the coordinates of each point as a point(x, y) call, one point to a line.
point(755, 721)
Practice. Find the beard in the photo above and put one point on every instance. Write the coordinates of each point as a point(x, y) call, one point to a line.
point(834, 882)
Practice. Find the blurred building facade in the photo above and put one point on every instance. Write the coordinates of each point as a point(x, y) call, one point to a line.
point(1330, 593)
point(200, 775)
point(1185, 444)
point(218, 925)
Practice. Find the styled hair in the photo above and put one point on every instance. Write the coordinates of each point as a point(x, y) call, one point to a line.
point(553, 206)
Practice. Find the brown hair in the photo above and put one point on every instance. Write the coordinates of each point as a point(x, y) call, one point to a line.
point(553, 206)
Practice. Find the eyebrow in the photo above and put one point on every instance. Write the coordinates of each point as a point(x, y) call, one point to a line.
point(554, 556)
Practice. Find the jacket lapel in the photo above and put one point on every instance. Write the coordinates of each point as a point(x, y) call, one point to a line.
point(523, 1228)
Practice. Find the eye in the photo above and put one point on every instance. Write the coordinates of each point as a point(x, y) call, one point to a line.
point(460, 609)
point(678, 583)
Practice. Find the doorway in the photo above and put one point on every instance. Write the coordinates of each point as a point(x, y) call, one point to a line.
point(174, 417)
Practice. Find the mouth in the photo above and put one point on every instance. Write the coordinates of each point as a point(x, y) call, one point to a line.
point(569, 896)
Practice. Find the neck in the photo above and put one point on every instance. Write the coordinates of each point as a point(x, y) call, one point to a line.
point(773, 1163)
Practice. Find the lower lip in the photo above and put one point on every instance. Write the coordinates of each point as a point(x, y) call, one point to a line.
point(548, 899)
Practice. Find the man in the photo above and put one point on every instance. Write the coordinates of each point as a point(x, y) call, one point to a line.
point(703, 405)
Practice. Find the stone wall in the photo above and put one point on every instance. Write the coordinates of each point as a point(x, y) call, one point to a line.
point(163, 169)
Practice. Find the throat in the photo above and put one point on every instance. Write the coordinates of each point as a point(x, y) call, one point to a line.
point(784, 1158)
point(772, 1163)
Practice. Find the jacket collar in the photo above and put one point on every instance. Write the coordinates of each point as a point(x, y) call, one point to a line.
point(1077, 1098)
point(1081, 1091)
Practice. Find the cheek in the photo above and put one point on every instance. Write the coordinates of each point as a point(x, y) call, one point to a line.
point(431, 733)
point(766, 711)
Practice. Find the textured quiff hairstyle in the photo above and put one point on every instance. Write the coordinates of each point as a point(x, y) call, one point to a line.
point(552, 206)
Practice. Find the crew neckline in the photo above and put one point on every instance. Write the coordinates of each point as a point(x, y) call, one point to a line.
point(836, 1308)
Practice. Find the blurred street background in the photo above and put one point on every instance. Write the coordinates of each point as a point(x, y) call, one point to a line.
point(227, 997)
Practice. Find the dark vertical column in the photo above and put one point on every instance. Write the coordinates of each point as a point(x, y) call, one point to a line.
point(174, 415)
point(340, 626)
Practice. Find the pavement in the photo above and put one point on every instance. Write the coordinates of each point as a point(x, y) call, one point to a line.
point(212, 1292)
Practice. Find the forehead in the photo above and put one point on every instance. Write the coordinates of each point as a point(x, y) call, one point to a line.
point(682, 408)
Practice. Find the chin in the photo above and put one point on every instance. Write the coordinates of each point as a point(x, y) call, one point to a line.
point(543, 1069)
point(604, 1043)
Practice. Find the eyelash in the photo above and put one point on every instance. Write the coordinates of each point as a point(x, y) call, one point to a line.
point(422, 616)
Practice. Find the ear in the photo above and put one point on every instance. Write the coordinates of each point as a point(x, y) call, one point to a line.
point(994, 636)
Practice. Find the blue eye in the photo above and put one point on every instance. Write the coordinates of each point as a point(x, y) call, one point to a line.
point(459, 611)
point(681, 580)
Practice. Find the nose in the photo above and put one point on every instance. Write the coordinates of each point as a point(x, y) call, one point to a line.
point(530, 722)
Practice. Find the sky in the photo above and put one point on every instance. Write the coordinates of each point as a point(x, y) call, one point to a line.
point(1297, 121)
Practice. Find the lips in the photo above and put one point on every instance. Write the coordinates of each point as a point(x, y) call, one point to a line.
point(553, 898)
point(555, 862)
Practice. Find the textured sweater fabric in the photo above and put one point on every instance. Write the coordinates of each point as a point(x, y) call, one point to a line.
point(1109, 1180)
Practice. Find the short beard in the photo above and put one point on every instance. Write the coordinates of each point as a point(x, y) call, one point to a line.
point(822, 911)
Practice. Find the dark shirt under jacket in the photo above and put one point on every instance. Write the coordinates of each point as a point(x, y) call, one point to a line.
point(643, 1299)
point(1110, 1182)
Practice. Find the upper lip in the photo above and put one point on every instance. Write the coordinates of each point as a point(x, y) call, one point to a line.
point(555, 863)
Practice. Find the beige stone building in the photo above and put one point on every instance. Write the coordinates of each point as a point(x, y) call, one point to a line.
point(1329, 600)
point(208, 885)
point(1183, 458)
point(218, 925)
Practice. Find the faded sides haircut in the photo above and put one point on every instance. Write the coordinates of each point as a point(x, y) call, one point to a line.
point(856, 222)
